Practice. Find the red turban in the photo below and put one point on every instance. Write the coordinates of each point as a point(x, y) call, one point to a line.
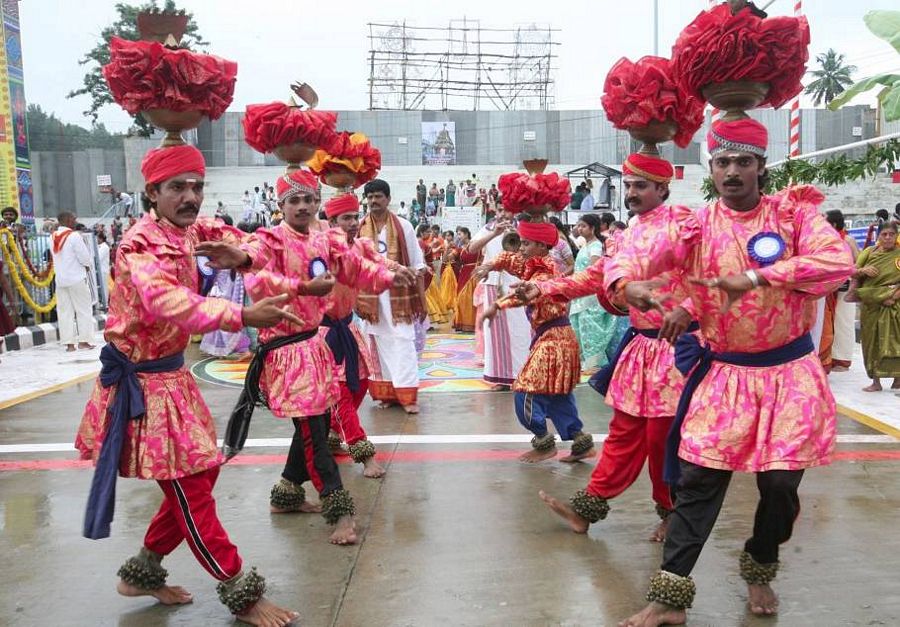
point(341, 204)
point(295, 183)
point(649, 167)
point(746, 135)
point(542, 232)
point(161, 164)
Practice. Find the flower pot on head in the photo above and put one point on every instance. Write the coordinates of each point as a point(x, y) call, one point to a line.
point(173, 122)
point(294, 154)
point(653, 133)
point(535, 166)
point(735, 97)
point(341, 178)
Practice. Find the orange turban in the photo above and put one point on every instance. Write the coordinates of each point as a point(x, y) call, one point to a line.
point(649, 167)
point(161, 164)
point(542, 232)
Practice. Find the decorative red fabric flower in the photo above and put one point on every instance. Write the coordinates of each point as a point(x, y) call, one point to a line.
point(520, 191)
point(267, 126)
point(718, 47)
point(146, 75)
point(350, 151)
point(635, 94)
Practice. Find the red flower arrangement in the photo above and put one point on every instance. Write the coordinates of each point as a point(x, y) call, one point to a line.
point(267, 126)
point(635, 94)
point(348, 151)
point(718, 47)
point(146, 75)
point(520, 191)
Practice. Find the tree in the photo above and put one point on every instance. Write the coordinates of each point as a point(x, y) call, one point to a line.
point(125, 27)
point(831, 79)
point(47, 132)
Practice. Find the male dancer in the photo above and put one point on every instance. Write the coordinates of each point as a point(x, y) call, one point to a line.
point(641, 384)
point(351, 353)
point(544, 387)
point(146, 417)
point(294, 368)
point(758, 400)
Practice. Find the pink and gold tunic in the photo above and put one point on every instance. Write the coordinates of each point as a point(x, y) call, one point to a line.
point(553, 365)
point(298, 380)
point(742, 418)
point(154, 308)
point(645, 382)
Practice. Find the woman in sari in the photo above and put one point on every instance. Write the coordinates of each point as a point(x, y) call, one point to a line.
point(449, 272)
point(878, 273)
point(228, 284)
point(593, 326)
point(464, 318)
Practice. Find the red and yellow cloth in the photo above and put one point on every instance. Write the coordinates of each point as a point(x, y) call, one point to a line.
point(652, 168)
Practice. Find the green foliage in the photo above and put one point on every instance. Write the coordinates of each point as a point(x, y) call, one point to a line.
point(125, 27)
point(827, 173)
point(832, 79)
point(47, 132)
point(885, 25)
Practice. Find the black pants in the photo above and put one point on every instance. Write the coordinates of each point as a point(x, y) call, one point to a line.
point(698, 499)
point(309, 458)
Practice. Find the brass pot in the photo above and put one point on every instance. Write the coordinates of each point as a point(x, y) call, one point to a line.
point(173, 122)
point(735, 97)
point(295, 154)
point(342, 178)
point(653, 133)
point(535, 166)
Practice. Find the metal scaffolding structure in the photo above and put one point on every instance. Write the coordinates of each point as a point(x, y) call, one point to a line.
point(461, 66)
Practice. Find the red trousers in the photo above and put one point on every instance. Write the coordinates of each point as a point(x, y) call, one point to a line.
point(345, 418)
point(189, 513)
point(631, 440)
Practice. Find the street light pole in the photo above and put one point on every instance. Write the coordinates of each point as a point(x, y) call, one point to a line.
point(655, 27)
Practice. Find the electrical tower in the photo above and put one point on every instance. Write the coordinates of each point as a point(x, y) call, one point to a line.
point(461, 66)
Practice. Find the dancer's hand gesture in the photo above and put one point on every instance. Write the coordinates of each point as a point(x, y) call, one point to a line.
point(319, 286)
point(268, 312)
point(491, 312)
point(674, 324)
point(526, 291)
point(734, 286)
point(640, 295)
point(222, 256)
point(404, 277)
point(482, 271)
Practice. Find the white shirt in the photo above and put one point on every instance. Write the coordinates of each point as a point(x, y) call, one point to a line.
point(587, 203)
point(103, 253)
point(71, 263)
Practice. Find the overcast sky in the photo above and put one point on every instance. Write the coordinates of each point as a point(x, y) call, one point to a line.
point(325, 43)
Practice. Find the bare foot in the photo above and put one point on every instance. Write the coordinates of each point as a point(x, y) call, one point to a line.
point(534, 456)
point(762, 599)
point(571, 459)
point(659, 534)
point(896, 384)
point(500, 387)
point(344, 531)
point(411, 409)
point(305, 508)
point(372, 469)
point(85, 345)
point(875, 387)
point(167, 595)
point(654, 615)
point(575, 522)
point(264, 613)
point(387, 404)
point(70, 348)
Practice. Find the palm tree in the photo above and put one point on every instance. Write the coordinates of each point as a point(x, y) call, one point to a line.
point(831, 79)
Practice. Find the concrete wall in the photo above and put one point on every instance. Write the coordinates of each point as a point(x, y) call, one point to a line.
point(68, 180)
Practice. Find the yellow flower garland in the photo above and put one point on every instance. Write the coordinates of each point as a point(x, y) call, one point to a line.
point(17, 281)
point(8, 242)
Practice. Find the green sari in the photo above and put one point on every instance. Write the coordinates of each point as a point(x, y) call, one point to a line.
point(880, 334)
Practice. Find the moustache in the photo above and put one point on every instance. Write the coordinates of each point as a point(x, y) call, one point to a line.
point(633, 200)
point(192, 207)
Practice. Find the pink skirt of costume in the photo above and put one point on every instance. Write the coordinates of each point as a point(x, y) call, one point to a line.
point(645, 382)
point(759, 419)
point(175, 438)
point(298, 380)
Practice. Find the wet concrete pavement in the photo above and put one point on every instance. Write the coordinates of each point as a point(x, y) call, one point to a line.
point(453, 535)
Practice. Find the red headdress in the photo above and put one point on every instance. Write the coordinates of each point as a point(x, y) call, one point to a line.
point(267, 126)
point(295, 183)
point(160, 164)
point(745, 135)
point(520, 191)
point(341, 204)
point(351, 152)
point(542, 232)
point(649, 167)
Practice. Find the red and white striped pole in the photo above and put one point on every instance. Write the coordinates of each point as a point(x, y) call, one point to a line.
point(716, 113)
point(794, 132)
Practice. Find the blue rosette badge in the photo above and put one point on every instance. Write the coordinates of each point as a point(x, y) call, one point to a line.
point(207, 275)
point(317, 267)
point(382, 247)
point(766, 248)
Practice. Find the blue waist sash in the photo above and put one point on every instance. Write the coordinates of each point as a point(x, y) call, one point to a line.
point(128, 404)
point(601, 379)
point(344, 348)
point(690, 353)
point(562, 321)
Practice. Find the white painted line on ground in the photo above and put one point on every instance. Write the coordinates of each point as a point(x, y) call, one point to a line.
point(487, 438)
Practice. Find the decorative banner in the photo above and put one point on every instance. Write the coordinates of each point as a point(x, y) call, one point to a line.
point(16, 187)
point(438, 143)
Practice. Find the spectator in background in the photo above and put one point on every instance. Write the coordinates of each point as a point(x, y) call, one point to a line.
point(71, 261)
point(470, 192)
point(10, 216)
point(402, 211)
point(421, 193)
point(577, 197)
point(494, 196)
point(105, 259)
point(434, 194)
point(562, 253)
point(587, 203)
point(441, 198)
point(838, 310)
point(127, 203)
point(881, 216)
point(451, 194)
